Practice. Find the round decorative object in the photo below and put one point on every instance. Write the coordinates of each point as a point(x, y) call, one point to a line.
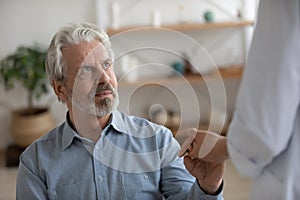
point(26, 128)
point(158, 114)
point(208, 16)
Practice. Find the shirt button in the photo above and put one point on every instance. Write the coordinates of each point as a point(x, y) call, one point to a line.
point(54, 193)
point(146, 177)
point(96, 147)
point(100, 178)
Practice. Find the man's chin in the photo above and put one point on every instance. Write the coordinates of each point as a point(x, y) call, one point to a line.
point(102, 113)
point(103, 97)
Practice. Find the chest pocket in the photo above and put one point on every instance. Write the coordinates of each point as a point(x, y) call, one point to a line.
point(142, 185)
point(71, 191)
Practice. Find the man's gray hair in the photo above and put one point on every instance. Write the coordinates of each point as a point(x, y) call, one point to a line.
point(68, 35)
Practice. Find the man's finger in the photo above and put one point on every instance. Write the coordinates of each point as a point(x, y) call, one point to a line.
point(189, 164)
point(187, 143)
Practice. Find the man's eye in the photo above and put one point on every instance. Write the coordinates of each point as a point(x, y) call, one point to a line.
point(87, 69)
point(107, 64)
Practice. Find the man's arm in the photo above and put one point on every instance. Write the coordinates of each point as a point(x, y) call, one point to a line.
point(29, 184)
point(209, 175)
point(178, 183)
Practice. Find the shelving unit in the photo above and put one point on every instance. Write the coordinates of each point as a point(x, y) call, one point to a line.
point(231, 26)
point(232, 72)
point(226, 73)
point(184, 27)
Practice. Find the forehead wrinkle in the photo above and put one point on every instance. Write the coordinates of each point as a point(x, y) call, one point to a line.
point(78, 54)
point(74, 56)
point(97, 57)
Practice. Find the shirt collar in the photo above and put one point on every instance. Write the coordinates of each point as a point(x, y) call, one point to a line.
point(117, 122)
point(69, 133)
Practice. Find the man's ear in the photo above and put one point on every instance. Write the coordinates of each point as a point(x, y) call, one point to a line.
point(60, 90)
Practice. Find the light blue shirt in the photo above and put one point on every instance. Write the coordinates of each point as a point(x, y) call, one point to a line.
point(133, 159)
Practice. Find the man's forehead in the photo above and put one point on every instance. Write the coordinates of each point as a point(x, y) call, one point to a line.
point(98, 52)
point(86, 52)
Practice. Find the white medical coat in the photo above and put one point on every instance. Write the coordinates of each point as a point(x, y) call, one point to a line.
point(264, 136)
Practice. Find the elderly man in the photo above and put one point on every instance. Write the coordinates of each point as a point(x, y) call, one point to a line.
point(99, 152)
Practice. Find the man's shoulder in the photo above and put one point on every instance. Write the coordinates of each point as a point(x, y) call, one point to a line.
point(139, 121)
point(52, 135)
point(141, 127)
point(48, 142)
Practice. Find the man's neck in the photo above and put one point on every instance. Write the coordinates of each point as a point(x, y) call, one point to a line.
point(87, 125)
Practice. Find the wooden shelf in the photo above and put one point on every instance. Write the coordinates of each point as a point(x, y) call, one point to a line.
point(233, 72)
point(183, 27)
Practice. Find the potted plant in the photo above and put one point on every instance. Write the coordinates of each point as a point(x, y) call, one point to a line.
point(26, 66)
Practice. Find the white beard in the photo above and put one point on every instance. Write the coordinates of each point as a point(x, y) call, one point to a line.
point(106, 106)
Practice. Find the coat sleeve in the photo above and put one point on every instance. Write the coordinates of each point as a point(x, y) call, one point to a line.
point(268, 97)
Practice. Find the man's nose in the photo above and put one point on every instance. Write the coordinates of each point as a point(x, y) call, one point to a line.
point(102, 75)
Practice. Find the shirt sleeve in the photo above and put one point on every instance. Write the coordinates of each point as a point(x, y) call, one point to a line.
point(29, 184)
point(178, 183)
point(268, 97)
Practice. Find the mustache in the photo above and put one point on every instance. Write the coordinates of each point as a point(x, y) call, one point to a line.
point(102, 87)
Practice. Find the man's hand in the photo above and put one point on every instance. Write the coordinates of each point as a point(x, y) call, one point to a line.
point(209, 175)
point(206, 153)
point(206, 145)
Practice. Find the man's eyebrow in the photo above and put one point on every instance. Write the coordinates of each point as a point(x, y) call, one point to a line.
point(108, 59)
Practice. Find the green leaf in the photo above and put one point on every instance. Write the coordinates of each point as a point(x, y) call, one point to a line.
point(26, 66)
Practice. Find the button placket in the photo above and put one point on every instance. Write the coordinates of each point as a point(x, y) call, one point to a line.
point(100, 178)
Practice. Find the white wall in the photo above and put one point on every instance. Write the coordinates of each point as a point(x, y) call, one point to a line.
point(35, 21)
point(28, 22)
